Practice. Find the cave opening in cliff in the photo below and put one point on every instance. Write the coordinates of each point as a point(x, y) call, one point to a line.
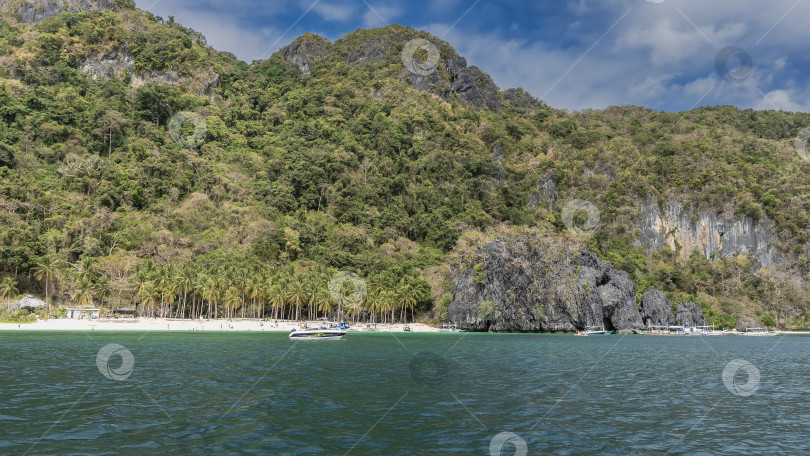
point(608, 324)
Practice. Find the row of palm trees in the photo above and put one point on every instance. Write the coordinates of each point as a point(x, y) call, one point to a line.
point(189, 291)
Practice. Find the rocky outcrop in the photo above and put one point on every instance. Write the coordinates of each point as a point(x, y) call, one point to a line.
point(119, 62)
point(476, 88)
point(443, 73)
point(497, 158)
point(689, 314)
point(519, 98)
point(655, 309)
point(531, 284)
point(708, 232)
point(306, 51)
point(37, 10)
point(546, 189)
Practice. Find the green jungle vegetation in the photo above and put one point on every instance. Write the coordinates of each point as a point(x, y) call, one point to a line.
point(350, 169)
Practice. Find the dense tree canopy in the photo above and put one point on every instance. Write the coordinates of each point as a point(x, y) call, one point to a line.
point(297, 178)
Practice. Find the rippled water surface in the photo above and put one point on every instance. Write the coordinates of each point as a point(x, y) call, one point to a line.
point(368, 394)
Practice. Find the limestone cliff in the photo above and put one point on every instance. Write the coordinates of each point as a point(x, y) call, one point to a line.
point(119, 62)
point(529, 284)
point(444, 73)
point(712, 234)
point(37, 10)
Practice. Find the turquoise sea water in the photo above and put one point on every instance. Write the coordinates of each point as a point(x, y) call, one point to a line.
point(370, 394)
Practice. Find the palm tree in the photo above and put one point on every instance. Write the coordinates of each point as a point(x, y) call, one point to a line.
point(164, 283)
point(46, 269)
point(102, 289)
point(185, 282)
point(411, 296)
point(85, 268)
point(8, 288)
point(276, 296)
point(83, 294)
point(150, 297)
point(255, 291)
point(297, 294)
point(232, 299)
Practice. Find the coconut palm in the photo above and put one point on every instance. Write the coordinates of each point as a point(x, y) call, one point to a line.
point(232, 299)
point(149, 297)
point(8, 288)
point(102, 289)
point(276, 295)
point(297, 294)
point(184, 282)
point(46, 269)
point(83, 294)
point(85, 268)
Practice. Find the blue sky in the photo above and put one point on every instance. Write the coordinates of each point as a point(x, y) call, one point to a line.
point(573, 54)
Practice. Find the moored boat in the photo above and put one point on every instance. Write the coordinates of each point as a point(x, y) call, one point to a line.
point(759, 331)
point(317, 333)
point(709, 331)
point(594, 331)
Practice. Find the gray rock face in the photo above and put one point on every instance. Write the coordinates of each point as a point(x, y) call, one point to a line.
point(519, 98)
point(118, 62)
point(689, 314)
point(476, 88)
point(497, 157)
point(530, 284)
point(370, 51)
point(38, 10)
point(451, 79)
point(546, 189)
point(711, 234)
point(306, 51)
point(656, 310)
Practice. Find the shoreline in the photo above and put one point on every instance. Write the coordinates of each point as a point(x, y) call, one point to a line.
point(167, 324)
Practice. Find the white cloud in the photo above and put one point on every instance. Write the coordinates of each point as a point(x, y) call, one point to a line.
point(380, 15)
point(334, 13)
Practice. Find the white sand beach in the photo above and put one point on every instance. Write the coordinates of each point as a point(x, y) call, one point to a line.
point(160, 324)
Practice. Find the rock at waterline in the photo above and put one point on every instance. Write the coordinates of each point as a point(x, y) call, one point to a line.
point(534, 284)
point(656, 310)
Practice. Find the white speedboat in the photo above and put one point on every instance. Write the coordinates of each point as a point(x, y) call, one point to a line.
point(594, 331)
point(319, 333)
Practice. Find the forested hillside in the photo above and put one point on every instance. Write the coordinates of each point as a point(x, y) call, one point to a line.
point(330, 157)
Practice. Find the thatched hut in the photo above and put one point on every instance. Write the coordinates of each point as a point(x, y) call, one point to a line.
point(29, 303)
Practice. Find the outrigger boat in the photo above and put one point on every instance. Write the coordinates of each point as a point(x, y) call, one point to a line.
point(758, 331)
point(450, 328)
point(709, 331)
point(323, 332)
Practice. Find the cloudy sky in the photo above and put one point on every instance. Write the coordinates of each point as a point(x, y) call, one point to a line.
point(664, 54)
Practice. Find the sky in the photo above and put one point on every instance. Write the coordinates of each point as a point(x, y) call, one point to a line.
point(671, 55)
